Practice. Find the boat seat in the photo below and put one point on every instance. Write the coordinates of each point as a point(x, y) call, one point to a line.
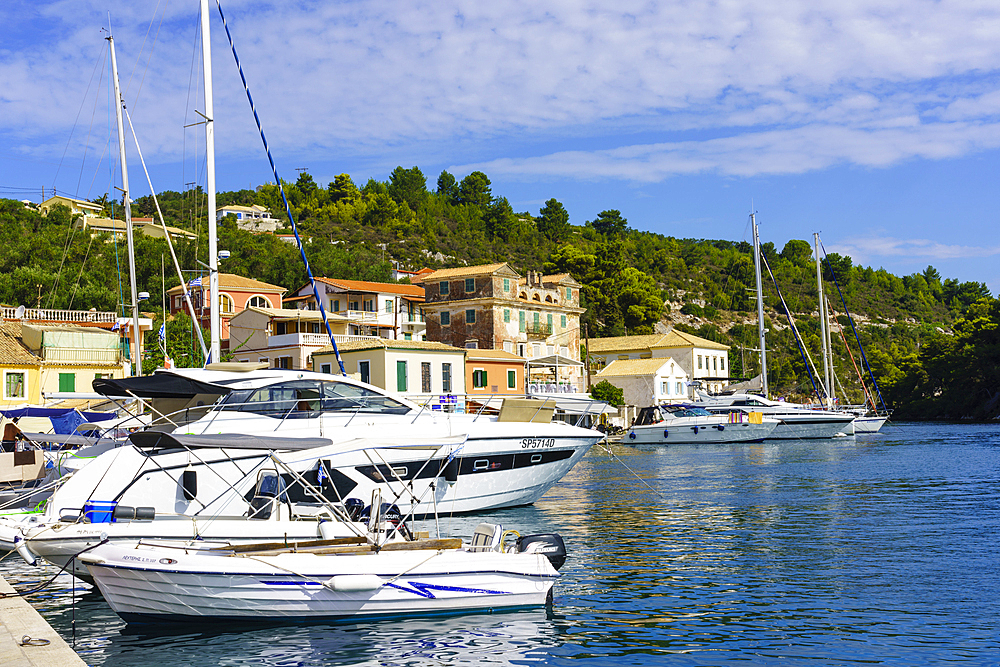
point(261, 507)
point(486, 537)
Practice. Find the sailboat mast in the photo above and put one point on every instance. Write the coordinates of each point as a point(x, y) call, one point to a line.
point(760, 305)
point(127, 205)
point(824, 325)
point(213, 240)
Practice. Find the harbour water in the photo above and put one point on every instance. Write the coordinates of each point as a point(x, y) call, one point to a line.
point(870, 549)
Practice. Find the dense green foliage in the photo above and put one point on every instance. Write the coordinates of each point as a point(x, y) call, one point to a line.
point(912, 327)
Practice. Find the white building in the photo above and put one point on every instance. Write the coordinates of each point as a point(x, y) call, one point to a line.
point(646, 382)
point(386, 310)
point(703, 360)
point(253, 218)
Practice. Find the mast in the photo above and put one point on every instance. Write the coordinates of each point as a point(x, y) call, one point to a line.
point(213, 239)
point(760, 305)
point(824, 326)
point(127, 201)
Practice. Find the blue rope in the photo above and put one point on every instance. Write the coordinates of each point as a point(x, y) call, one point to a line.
point(853, 328)
point(281, 188)
point(795, 333)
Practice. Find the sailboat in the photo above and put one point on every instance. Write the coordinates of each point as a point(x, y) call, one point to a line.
point(795, 421)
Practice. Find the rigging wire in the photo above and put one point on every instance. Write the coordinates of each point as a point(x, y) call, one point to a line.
point(86, 145)
point(281, 188)
point(97, 64)
point(80, 275)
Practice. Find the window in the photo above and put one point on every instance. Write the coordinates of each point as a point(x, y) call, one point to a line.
point(13, 385)
point(258, 302)
point(369, 305)
point(179, 302)
point(388, 305)
point(506, 314)
point(446, 378)
point(537, 318)
point(715, 363)
point(280, 328)
point(479, 378)
point(425, 377)
point(443, 288)
point(699, 362)
point(67, 382)
point(520, 321)
point(722, 363)
point(472, 345)
point(511, 379)
point(264, 360)
point(548, 320)
point(470, 285)
point(445, 318)
point(335, 305)
point(470, 316)
point(562, 321)
point(365, 371)
point(401, 376)
point(522, 350)
point(283, 362)
point(226, 305)
point(324, 368)
point(680, 388)
point(569, 294)
point(352, 305)
point(407, 336)
point(665, 388)
point(506, 284)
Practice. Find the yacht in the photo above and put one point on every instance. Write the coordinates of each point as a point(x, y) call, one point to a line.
point(795, 422)
point(676, 424)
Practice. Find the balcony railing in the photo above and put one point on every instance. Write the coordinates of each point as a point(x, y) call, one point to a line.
point(82, 355)
point(312, 339)
point(60, 315)
point(538, 329)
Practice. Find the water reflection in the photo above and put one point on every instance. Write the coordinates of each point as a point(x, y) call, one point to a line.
point(876, 548)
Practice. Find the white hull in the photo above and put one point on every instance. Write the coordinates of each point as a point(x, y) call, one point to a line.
point(148, 583)
point(869, 424)
point(793, 428)
point(671, 434)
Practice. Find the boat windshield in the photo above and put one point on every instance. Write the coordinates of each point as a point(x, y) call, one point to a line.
point(300, 399)
point(686, 411)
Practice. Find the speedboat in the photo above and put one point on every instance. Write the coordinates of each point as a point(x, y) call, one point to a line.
point(680, 423)
point(795, 422)
point(507, 460)
point(333, 579)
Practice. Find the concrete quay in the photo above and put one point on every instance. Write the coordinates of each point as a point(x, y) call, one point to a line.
point(19, 619)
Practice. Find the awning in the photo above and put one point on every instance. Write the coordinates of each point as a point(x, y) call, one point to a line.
point(563, 403)
point(17, 413)
point(158, 385)
point(554, 360)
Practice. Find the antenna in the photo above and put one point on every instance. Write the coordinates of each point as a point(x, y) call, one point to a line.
point(19, 313)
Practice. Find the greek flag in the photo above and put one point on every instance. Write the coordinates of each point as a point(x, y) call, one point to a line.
point(195, 283)
point(163, 332)
point(117, 325)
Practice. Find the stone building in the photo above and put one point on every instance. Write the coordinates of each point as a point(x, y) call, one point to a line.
point(492, 307)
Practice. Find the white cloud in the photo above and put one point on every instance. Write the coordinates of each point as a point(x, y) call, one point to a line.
point(864, 250)
point(761, 87)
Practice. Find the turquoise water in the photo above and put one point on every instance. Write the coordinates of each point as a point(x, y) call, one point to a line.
point(874, 549)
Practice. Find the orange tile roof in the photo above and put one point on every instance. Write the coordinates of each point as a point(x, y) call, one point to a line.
point(461, 271)
point(412, 291)
point(233, 281)
point(12, 350)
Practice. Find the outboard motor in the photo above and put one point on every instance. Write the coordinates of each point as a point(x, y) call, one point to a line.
point(550, 545)
point(354, 508)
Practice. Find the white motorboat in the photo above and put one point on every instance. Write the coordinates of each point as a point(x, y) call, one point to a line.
point(676, 424)
point(795, 422)
point(507, 460)
point(351, 578)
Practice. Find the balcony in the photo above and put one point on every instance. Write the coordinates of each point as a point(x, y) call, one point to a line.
point(538, 330)
point(82, 355)
point(312, 339)
point(60, 315)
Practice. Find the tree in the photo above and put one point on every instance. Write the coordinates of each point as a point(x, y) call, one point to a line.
point(610, 223)
point(607, 392)
point(500, 218)
point(475, 190)
point(553, 221)
point(342, 188)
point(306, 185)
point(408, 185)
point(797, 252)
point(447, 187)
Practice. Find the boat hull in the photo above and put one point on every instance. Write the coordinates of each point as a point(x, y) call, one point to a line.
point(143, 584)
point(714, 434)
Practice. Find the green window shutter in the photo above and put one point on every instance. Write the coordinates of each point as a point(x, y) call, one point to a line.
point(400, 376)
point(563, 321)
point(506, 314)
point(520, 320)
point(470, 285)
point(506, 284)
point(549, 321)
point(67, 382)
point(511, 379)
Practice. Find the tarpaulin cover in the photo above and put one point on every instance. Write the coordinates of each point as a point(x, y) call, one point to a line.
point(57, 414)
point(158, 385)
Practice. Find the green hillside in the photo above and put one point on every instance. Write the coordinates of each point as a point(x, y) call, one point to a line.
point(931, 342)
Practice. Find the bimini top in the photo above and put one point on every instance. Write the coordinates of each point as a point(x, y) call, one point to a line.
point(158, 385)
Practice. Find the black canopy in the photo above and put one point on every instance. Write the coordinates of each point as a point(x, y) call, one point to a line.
point(158, 385)
point(151, 439)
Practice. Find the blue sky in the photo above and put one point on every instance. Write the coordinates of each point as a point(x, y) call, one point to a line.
point(875, 124)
